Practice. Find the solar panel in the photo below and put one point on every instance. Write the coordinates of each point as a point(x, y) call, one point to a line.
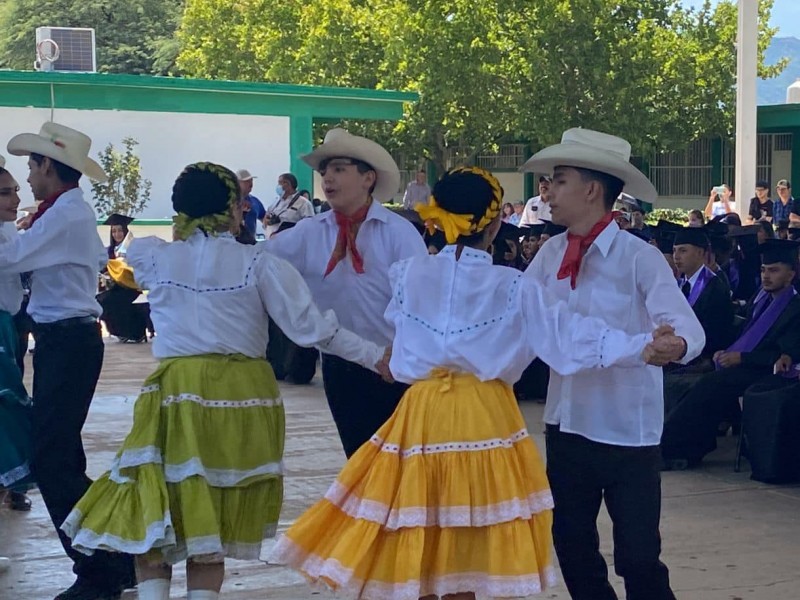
point(76, 47)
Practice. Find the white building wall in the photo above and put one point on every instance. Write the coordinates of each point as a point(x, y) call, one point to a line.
point(167, 143)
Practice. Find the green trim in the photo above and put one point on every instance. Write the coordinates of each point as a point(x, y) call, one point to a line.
point(301, 141)
point(94, 91)
point(778, 117)
point(795, 168)
point(146, 222)
point(716, 159)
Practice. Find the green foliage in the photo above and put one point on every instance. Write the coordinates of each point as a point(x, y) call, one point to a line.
point(126, 192)
point(494, 71)
point(675, 215)
point(132, 36)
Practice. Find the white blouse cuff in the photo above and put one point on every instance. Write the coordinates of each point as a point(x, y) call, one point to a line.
point(619, 349)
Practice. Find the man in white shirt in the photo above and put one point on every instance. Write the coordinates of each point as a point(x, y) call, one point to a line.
point(417, 192)
point(344, 255)
point(604, 426)
point(64, 252)
point(537, 209)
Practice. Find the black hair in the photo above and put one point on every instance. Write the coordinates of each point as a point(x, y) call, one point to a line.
point(290, 178)
point(612, 186)
point(362, 167)
point(64, 173)
point(198, 192)
point(305, 193)
point(766, 226)
point(112, 244)
point(464, 193)
point(698, 213)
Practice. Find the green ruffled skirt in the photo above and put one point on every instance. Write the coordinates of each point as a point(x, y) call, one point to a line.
point(200, 474)
point(15, 418)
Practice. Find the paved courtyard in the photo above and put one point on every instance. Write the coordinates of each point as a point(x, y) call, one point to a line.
point(725, 536)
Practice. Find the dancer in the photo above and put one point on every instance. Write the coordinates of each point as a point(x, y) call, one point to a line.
point(344, 256)
point(63, 251)
point(449, 498)
point(199, 477)
point(603, 428)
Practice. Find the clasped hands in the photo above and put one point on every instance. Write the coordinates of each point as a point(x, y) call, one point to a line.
point(665, 348)
point(382, 366)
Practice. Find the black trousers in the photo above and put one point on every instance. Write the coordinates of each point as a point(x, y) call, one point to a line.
point(24, 326)
point(690, 429)
point(359, 399)
point(582, 474)
point(123, 318)
point(66, 367)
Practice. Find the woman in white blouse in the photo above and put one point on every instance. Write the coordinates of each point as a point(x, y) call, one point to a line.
point(15, 425)
point(200, 475)
point(450, 497)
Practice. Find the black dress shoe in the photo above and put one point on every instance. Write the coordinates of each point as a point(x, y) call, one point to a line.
point(87, 590)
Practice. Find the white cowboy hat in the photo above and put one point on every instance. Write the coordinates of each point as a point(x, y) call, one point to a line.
point(61, 143)
point(339, 143)
point(587, 149)
point(245, 175)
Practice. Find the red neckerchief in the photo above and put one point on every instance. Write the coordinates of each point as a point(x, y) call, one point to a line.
point(346, 239)
point(48, 202)
point(577, 245)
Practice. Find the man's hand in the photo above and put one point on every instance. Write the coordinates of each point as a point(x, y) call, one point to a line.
point(664, 349)
point(24, 223)
point(726, 360)
point(783, 364)
point(382, 366)
point(663, 330)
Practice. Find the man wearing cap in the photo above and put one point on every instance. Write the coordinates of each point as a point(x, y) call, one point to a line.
point(710, 299)
point(604, 426)
point(344, 255)
point(782, 207)
point(253, 209)
point(537, 210)
point(770, 331)
point(761, 204)
point(64, 252)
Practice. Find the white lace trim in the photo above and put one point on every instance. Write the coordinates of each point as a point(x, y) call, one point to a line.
point(175, 473)
point(450, 446)
point(268, 402)
point(288, 553)
point(441, 516)
point(16, 474)
point(146, 389)
point(161, 535)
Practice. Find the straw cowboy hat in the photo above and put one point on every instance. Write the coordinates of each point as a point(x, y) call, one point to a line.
point(62, 144)
point(339, 143)
point(587, 149)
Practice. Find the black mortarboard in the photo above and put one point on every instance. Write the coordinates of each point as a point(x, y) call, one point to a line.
point(639, 233)
point(779, 251)
point(739, 231)
point(533, 230)
point(664, 234)
point(783, 225)
point(552, 229)
point(718, 237)
point(509, 232)
point(117, 219)
point(696, 236)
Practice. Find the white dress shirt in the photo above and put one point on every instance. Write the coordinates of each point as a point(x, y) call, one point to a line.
point(470, 316)
point(65, 254)
point(290, 212)
point(626, 282)
point(10, 284)
point(212, 295)
point(693, 279)
point(536, 211)
point(359, 300)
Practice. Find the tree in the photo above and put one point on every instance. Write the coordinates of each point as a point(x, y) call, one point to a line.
point(131, 35)
point(125, 192)
point(494, 71)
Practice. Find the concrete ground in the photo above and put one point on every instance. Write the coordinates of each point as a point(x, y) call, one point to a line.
point(725, 536)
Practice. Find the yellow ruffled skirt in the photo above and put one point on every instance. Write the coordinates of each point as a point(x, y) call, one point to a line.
point(449, 496)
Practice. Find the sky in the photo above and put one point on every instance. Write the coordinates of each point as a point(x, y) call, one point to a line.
point(785, 16)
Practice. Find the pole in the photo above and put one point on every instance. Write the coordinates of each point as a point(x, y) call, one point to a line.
point(746, 111)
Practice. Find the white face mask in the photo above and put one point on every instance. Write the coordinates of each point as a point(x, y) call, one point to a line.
point(279, 191)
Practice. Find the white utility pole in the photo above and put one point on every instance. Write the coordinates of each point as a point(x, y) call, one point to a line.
point(746, 110)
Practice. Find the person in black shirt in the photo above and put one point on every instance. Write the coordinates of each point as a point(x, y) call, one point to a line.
point(760, 205)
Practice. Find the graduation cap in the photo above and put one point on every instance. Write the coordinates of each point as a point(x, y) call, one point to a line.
point(509, 232)
point(783, 225)
point(779, 251)
point(718, 237)
point(552, 229)
point(695, 236)
point(664, 235)
point(117, 219)
point(533, 230)
point(642, 235)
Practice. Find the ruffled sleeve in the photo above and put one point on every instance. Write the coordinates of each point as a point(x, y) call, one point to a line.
point(288, 302)
point(141, 258)
point(569, 342)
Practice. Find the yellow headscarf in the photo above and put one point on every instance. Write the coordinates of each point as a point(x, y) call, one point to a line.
point(455, 225)
point(212, 224)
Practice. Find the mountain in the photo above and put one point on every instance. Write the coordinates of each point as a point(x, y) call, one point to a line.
point(773, 91)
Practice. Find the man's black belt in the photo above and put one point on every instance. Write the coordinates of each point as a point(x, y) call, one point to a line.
point(71, 322)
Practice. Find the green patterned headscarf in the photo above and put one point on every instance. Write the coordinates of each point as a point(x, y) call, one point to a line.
point(204, 197)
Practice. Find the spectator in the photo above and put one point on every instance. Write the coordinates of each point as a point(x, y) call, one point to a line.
point(516, 218)
point(696, 218)
point(252, 206)
point(719, 201)
point(765, 231)
point(290, 207)
point(537, 209)
point(760, 204)
point(783, 207)
point(507, 211)
point(417, 192)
